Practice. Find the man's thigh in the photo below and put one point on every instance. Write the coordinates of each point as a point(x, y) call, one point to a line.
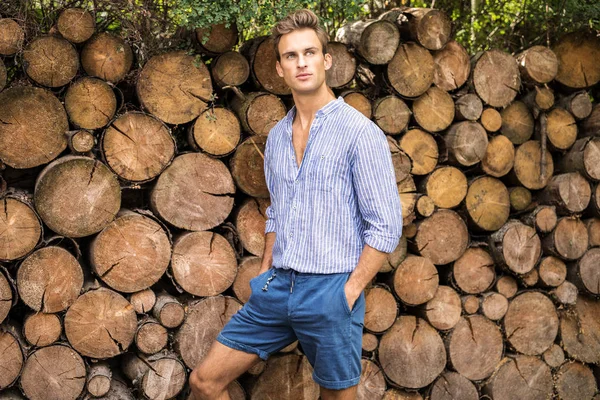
point(223, 364)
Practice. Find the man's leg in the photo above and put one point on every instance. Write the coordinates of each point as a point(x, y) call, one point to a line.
point(344, 394)
point(221, 366)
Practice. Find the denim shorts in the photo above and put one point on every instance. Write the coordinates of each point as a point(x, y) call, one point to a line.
point(285, 306)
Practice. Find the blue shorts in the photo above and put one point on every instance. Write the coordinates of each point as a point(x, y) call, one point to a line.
point(286, 306)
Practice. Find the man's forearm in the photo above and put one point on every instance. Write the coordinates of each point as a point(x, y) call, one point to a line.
point(267, 260)
point(369, 264)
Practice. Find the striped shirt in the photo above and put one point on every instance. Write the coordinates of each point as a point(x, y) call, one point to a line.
point(342, 196)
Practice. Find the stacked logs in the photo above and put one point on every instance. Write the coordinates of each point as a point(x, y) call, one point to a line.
point(134, 212)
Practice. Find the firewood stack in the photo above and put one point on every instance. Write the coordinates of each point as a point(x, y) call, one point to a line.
point(134, 212)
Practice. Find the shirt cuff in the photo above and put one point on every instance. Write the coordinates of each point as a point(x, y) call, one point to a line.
point(270, 226)
point(385, 244)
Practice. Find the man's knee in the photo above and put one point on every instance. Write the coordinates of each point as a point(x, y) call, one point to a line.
point(203, 386)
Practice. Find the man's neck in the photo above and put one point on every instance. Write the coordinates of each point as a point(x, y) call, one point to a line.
point(307, 105)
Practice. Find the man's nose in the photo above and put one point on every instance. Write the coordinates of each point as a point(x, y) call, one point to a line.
point(301, 61)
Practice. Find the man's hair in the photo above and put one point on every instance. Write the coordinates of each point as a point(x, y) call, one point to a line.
point(300, 19)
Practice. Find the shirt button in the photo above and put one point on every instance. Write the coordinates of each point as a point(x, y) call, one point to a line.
point(294, 207)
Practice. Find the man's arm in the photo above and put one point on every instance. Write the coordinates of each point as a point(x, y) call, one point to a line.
point(267, 260)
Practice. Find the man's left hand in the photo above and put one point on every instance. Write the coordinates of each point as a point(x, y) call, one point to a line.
point(351, 295)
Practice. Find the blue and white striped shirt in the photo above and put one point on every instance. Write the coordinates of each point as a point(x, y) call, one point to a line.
point(343, 195)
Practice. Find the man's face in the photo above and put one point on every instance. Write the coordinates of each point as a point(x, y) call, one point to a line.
point(302, 63)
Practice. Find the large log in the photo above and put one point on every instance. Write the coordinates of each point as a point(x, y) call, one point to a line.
point(450, 386)
point(520, 377)
point(560, 128)
point(230, 69)
point(570, 193)
point(250, 220)
point(372, 382)
point(99, 379)
point(33, 124)
point(575, 381)
point(446, 187)
point(165, 377)
point(6, 295)
point(577, 53)
point(76, 25)
point(516, 246)
point(496, 78)
point(248, 269)
point(343, 69)
point(217, 38)
point(538, 64)
point(442, 238)
point(468, 107)
point(553, 271)
point(434, 110)
point(585, 273)
point(532, 169)
point(11, 37)
point(90, 103)
point(258, 112)
point(591, 125)
point(359, 101)
point(578, 104)
point(411, 70)
point(107, 57)
point(374, 40)
point(583, 157)
point(174, 87)
point(542, 218)
point(380, 310)
point(569, 240)
point(416, 280)
point(50, 61)
point(452, 66)
point(260, 52)
point(287, 377)
point(143, 301)
point(20, 227)
point(168, 310)
point(444, 309)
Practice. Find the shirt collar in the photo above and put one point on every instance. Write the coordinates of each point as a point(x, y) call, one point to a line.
point(325, 110)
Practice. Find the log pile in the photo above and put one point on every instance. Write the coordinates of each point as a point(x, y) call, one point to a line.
point(134, 211)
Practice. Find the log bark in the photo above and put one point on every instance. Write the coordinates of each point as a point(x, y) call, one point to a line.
point(528, 167)
point(391, 114)
point(575, 381)
point(143, 301)
point(520, 377)
point(50, 61)
point(288, 377)
point(412, 353)
point(160, 83)
point(491, 120)
point(496, 78)
point(380, 310)
point(100, 324)
point(99, 379)
point(542, 218)
point(474, 271)
point(12, 37)
point(151, 337)
point(42, 329)
point(583, 157)
point(569, 240)
point(360, 102)
point(415, 281)
point(6, 295)
point(444, 309)
point(77, 196)
point(430, 28)
point(434, 110)
point(516, 246)
point(468, 107)
point(90, 103)
point(466, 143)
point(33, 127)
point(538, 64)
point(591, 125)
point(578, 104)
point(102, 47)
point(168, 310)
point(261, 55)
point(585, 273)
point(217, 38)
point(487, 203)
point(258, 112)
point(451, 66)
point(343, 69)
point(11, 359)
point(517, 122)
point(422, 149)
point(76, 25)
point(411, 70)
point(20, 227)
point(374, 40)
point(576, 53)
point(372, 382)
point(450, 386)
point(499, 156)
point(195, 192)
point(247, 167)
point(446, 186)
point(442, 238)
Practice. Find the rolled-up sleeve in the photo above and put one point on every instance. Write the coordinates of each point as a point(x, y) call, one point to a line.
point(270, 223)
point(375, 186)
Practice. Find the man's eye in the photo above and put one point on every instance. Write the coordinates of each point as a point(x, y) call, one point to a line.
point(290, 56)
point(310, 53)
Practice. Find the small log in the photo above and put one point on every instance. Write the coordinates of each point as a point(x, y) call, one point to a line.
point(552, 271)
point(261, 55)
point(470, 304)
point(499, 156)
point(42, 329)
point(193, 179)
point(570, 193)
point(370, 342)
point(446, 186)
point(569, 240)
point(491, 120)
point(151, 337)
point(496, 78)
point(554, 356)
point(50, 61)
point(81, 142)
point(11, 37)
point(168, 311)
point(204, 320)
point(474, 347)
point(380, 310)
point(565, 293)
point(20, 228)
point(415, 281)
point(591, 125)
point(372, 381)
point(468, 107)
point(374, 40)
point(258, 112)
point(487, 203)
point(56, 372)
point(165, 378)
point(542, 218)
point(528, 165)
point(360, 102)
point(474, 271)
point(539, 99)
point(452, 66)
point(442, 238)
point(100, 324)
point(104, 47)
point(450, 386)
point(538, 64)
point(425, 206)
point(516, 246)
point(397, 256)
point(411, 353)
point(287, 377)
point(76, 25)
point(520, 198)
point(576, 53)
point(530, 278)
point(411, 70)
point(248, 269)
point(49, 280)
point(247, 167)
point(33, 128)
point(99, 379)
point(444, 309)
point(160, 83)
point(507, 286)
point(396, 394)
point(391, 114)
point(520, 377)
point(131, 253)
point(517, 122)
point(343, 69)
point(401, 162)
point(575, 381)
point(11, 357)
point(217, 38)
point(494, 305)
point(585, 273)
point(593, 227)
point(216, 132)
point(250, 222)
point(578, 104)
point(466, 143)
point(578, 330)
point(434, 110)
point(430, 28)
point(561, 129)
point(230, 69)
point(583, 157)
point(422, 149)
point(142, 301)
point(90, 103)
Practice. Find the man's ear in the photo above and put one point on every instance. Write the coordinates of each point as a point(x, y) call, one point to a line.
point(328, 61)
point(279, 69)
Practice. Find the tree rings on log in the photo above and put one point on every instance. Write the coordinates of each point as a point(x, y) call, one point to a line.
point(76, 25)
point(247, 167)
point(20, 228)
point(49, 280)
point(195, 192)
point(531, 169)
point(520, 198)
point(561, 129)
point(431, 28)
point(412, 353)
point(380, 310)
point(165, 378)
point(91, 103)
point(499, 156)
point(108, 57)
point(496, 78)
point(411, 70)
point(422, 149)
point(55, 372)
point(50, 61)
point(577, 54)
point(554, 356)
point(100, 324)
point(168, 311)
point(391, 114)
point(77, 196)
point(578, 329)
point(217, 38)
point(33, 124)
point(474, 271)
point(11, 37)
point(248, 269)
point(137, 147)
point(466, 143)
point(583, 157)
point(41, 329)
point(452, 66)
point(258, 112)
point(343, 69)
point(442, 238)
point(372, 382)
point(370, 342)
point(578, 104)
point(230, 69)
point(143, 301)
point(468, 107)
point(250, 222)
point(494, 305)
point(286, 377)
point(507, 286)
point(443, 311)
point(560, 242)
point(415, 280)
point(375, 41)
point(81, 142)
point(204, 320)
point(261, 53)
point(491, 120)
point(434, 110)
point(131, 253)
point(517, 122)
point(446, 186)
point(575, 381)
point(553, 271)
point(174, 87)
point(520, 377)
point(487, 203)
point(6, 296)
point(565, 293)
point(585, 274)
point(360, 102)
point(531, 323)
point(517, 246)
point(216, 132)
point(569, 192)
point(203, 263)
point(538, 64)
point(451, 386)
point(99, 379)
point(11, 358)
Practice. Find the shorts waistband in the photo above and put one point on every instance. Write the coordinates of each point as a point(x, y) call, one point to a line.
point(290, 271)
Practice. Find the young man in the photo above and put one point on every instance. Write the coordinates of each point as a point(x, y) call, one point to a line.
point(335, 214)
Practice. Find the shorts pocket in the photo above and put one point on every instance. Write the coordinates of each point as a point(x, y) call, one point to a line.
point(260, 276)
